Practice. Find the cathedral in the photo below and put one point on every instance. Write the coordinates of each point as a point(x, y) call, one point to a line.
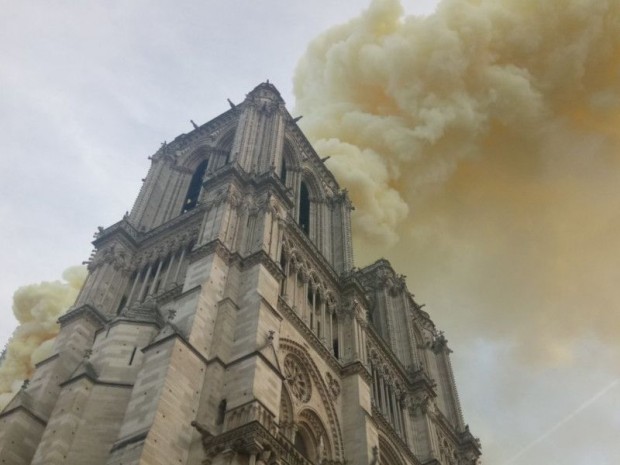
point(223, 322)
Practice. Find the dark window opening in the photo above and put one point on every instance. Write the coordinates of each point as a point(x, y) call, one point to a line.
point(221, 412)
point(300, 445)
point(304, 209)
point(335, 346)
point(151, 277)
point(121, 305)
point(283, 266)
point(133, 354)
point(195, 185)
point(283, 172)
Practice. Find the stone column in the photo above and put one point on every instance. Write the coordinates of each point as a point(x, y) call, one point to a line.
point(146, 280)
point(168, 268)
point(154, 283)
point(133, 286)
point(176, 274)
point(323, 324)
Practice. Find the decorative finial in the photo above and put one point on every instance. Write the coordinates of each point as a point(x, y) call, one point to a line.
point(25, 384)
point(88, 353)
point(232, 105)
point(171, 314)
point(193, 124)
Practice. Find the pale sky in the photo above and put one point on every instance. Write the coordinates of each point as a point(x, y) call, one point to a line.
point(88, 90)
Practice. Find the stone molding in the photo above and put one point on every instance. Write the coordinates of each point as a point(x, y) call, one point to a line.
point(87, 311)
point(290, 347)
point(388, 431)
point(309, 336)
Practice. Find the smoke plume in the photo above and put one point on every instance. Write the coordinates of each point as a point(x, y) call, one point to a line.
point(481, 147)
point(37, 308)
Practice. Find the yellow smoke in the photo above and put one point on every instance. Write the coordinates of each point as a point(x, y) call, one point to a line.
point(481, 147)
point(37, 308)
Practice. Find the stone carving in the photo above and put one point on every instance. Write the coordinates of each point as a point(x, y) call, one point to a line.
point(334, 387)
point(298, 378)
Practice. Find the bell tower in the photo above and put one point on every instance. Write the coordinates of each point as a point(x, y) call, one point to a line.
point(223, 322)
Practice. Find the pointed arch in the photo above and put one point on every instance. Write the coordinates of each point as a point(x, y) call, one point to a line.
point(195, 186)
point(319, 446)
point(286, 414)
point(310, 198)
point(224, 146)
point(387, 453)
point(331, 424)
point(304, 208)
point(291, 154)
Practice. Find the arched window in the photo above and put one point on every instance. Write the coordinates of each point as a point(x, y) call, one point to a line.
point(300, 444)
point(304, 208)
point(195, 185)
point(283, 172)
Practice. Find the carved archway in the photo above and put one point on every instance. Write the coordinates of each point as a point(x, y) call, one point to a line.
point(321, 444)
point(388, 454)
point(286, 415)
point(331, 424)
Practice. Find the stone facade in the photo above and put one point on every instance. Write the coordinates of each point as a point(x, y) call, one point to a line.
point(223, 322)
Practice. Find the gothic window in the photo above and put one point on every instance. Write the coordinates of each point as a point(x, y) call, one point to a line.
point(221, 412)
point(335, 347)
point(304, 208)
point(300, 444)
point(283, 172)
point(121, 305)
point(195, 185)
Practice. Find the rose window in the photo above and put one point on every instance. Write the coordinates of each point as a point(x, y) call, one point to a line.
point(297, 378)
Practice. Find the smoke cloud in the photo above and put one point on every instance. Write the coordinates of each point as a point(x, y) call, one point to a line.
point(37, 308)
point(481, 147)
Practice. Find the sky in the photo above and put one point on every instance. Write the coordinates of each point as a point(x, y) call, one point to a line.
point(489, 130)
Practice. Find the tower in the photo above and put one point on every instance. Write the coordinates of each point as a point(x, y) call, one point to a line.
point(223, 322)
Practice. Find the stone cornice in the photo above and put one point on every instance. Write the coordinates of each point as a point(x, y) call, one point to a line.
point(169, 227)
point(257, 353)
point(350, 284)
point(123, 228)
point(27, 411)
point(215, 246)
point(259, 183)
point(141, 436)
point(184, 141)
point(121, 319)
point(86, 311)
point(47, 360)
point(251, 438)
point(264, 259)
point(357, 368)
